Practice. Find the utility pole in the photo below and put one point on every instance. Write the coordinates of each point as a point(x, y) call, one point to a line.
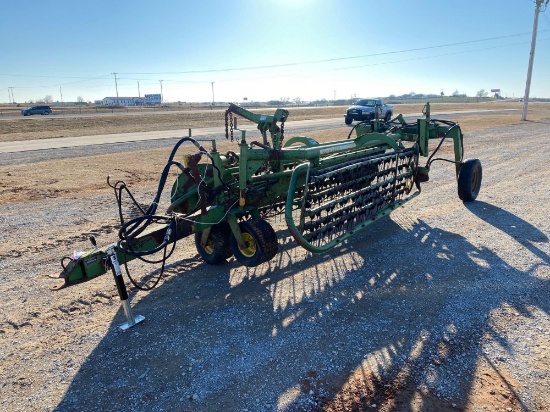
point(212, 83)
point(139, 95)
point(116, 85)
point(532, 56)
point(61, 93)
point(160, 81)
point(9, 94)
point(12, 98)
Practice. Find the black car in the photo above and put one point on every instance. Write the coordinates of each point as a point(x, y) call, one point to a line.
point(36, 110)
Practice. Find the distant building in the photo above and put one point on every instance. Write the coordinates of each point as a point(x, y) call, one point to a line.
point(152, 99)
point(121, 101)
point(149, 99)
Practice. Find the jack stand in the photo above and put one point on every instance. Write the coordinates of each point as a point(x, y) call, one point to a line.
point(122, 293)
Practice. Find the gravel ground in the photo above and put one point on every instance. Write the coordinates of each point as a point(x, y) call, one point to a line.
point(441, 306)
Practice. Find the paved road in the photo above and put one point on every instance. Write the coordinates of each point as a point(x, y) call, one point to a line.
point(58, 114)
point(62, 142)
point(292, 127)
point(117, 112)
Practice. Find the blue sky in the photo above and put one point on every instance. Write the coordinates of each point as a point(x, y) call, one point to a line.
point(268, 49)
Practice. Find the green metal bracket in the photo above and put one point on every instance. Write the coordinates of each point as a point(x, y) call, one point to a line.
point(266, 123)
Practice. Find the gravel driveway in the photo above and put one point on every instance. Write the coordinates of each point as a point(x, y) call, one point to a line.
point(441, 306)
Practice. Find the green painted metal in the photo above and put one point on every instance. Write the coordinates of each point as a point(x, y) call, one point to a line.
point(327, 191)
point(356, 201)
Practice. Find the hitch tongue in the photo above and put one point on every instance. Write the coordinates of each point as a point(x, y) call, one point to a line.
point(122, 293)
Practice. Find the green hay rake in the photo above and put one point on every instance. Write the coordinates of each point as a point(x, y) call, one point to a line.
point(326, 192)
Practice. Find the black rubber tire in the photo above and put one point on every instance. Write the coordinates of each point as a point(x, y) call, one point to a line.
point(217, 249)
point(348, 120)
point(261, 242)
point(469, 180)
point(387, 118)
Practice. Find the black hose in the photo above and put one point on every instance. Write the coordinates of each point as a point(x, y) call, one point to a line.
point(453, 126)
point(354, 127)
point(131, 229)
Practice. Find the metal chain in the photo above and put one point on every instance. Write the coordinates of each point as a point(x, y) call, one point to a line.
point(231, 125)
point(229, 115)
point(282, 132)
point(226, 129)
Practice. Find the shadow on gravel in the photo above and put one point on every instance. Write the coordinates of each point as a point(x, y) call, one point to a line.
point(397, 317)
point(513, 226)
point(545, 121)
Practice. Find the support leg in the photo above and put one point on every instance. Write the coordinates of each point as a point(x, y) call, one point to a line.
point(122, 293)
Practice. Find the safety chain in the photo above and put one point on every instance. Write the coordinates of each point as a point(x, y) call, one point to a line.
point(229, 123)
point(226, 132)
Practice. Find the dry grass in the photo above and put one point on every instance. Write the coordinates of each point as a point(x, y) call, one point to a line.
point(52, 127)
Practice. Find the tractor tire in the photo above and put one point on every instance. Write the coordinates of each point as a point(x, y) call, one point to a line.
point(387, 118)
point(217, 249)
point(348, 120)
point(469, 180)
point(261, 243)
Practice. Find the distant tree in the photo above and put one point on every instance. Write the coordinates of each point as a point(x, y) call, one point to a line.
point(79, 99)
point(48, 98)
point(297, 100)
point(481, 94)
point(321, 102)
point(456, 93)
point(442, 93)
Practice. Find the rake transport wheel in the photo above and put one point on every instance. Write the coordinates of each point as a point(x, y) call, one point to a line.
point(469, 180)
point(261, 242)
point(217, 249)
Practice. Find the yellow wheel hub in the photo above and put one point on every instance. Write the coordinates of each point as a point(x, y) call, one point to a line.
point(209, 247)
point(250, 249)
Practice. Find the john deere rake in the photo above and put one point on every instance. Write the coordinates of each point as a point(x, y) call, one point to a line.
point(327, 192)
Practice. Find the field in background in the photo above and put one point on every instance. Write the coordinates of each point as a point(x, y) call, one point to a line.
point(65, 177)
point(15, 109)
point(41, 127)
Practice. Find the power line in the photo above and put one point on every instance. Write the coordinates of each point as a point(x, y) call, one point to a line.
point(378, 64)
point(335, 59)
point(151, 81)
point(49, 76)
point(427, 57)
